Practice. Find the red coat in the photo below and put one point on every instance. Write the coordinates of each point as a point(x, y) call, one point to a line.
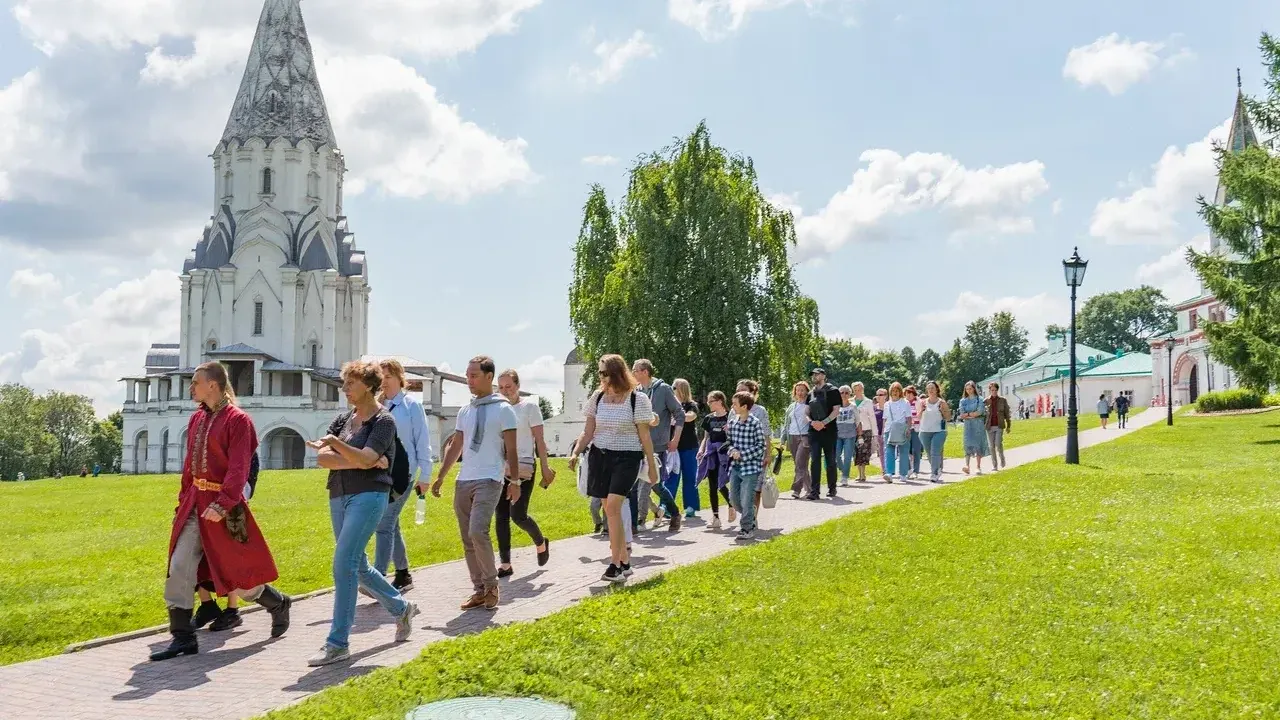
point(220, 453)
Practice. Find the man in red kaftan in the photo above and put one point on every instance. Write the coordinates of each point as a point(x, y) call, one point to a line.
point(214, 536)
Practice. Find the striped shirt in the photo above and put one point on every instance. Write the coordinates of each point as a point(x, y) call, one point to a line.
point(747, 437)
point(616, 423)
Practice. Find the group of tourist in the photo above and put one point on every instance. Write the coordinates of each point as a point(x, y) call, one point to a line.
point(642, 438)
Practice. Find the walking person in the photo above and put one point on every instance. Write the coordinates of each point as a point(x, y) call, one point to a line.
point(485, 439)
point(824, 408)
point(1104, 410)
point(618, 434)
point(865, 413)
point(760, 413)
point(934, 416)
point(795, 433)
point(208, 612)
point(846, 434)
point(531, 447)
point(897, 431)
point(1122, 411)
point(665, 436)
point(415, 439)
point(713, 457)
point(214, 536)
point(917, 445)
point(687, 448)
point(999, 423)
point(882, 397)
point(973, 411)
point(747, 460)
point(358, 452)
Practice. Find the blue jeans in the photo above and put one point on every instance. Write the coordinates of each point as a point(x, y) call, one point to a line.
point(935, 442)
point(742, 489)
point(844, 455)
point(354, 518)
point(917, 451)
point(689, 472)
point(388, 543)
point(899, 457)
point(641, 501)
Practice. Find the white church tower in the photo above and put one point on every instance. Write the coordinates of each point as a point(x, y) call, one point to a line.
point(275, 287)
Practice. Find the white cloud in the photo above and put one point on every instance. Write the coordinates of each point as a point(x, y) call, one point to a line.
point(28, 285)
point(107, 337)
point(1116, 64)
point(991, 199)
point(543, 376)
point(600, 160)
point(520, 326)
point(1032, 313)
point(871, 342)
point(35, 155)
point(1057, 206)
point(1171, 273)
point(407, 141)
point(613, 57)
point(717, 19)
point(1154, 212)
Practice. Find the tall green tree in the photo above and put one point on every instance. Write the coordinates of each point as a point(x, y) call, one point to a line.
point(693, 271)
point(544, 406)
point(25, 445)
point(989, 344)
point(1125, 320)
point(70, 420)
point(956, 370)
point(106, 446)
point(847, 362)
point(1247, 225)
point(930, 365)
point(912, 364)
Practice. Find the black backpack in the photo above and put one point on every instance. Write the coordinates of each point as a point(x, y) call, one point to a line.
point(600, 396)
point(400, 471)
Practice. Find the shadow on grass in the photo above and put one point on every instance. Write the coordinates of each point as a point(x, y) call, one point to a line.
point(184, 673)
point(646, 584)
point(1267, 442)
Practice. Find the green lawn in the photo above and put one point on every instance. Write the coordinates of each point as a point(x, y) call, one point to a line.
point(1141, 584)
point(1026, 432)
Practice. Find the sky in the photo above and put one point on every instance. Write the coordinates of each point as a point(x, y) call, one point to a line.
point(941, 158)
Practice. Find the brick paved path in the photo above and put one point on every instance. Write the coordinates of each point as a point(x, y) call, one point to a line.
point(243, 673)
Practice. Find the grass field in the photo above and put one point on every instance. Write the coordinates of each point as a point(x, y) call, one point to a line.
point(1026, 432)
point(84, 559)
point(1141, 584)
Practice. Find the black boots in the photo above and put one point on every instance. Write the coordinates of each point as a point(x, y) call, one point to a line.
point(278, 605)
point(184, 636)
point(207, 612)
point(229, 619)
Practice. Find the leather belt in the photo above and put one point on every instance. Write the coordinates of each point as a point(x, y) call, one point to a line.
point(202, 484)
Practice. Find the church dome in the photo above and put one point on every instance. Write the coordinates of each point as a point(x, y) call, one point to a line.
point(574, 358)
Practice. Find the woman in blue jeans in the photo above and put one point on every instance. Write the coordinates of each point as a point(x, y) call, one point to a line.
point(357, 451)
point(687, 448)
point(934, 415)
point(897, 432)
point(846, 434)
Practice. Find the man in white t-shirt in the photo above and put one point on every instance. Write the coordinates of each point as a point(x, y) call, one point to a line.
point(486, 440)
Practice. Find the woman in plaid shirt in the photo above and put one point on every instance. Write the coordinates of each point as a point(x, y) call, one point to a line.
point(746, 454)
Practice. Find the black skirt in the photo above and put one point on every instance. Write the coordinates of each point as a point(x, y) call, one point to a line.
point(612, 472)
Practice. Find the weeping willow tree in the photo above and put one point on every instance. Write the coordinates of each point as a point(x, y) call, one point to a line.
point(692, 270)
point(1245, 221)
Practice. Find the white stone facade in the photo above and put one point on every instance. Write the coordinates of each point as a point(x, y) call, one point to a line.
point(1194, 371)
point(563, 430)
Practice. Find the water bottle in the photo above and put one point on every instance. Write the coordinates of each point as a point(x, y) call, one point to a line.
point(420, 514)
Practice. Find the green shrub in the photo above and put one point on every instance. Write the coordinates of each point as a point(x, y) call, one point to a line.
point(1229, 400)
point(1272, 400)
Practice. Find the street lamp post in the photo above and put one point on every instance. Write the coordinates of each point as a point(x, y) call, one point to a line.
point(1073, 268)
point(1168, 400)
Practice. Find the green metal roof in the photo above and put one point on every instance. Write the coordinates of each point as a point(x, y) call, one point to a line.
point(1131, 364)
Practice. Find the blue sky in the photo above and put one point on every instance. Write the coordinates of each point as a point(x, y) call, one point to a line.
point(961, 148)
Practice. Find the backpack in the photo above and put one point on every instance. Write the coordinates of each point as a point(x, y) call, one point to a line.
point(600, 396)
point(400, 471)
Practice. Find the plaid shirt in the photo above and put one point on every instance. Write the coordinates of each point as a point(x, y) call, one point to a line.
point(747, 437)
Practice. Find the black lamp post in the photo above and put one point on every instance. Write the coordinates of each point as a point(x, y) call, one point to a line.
point(1073, 268)
point(1169, 343)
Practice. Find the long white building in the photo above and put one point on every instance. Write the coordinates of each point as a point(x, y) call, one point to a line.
point(276, 287)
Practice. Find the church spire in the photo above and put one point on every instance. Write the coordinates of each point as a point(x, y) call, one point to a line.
point(1242, 135)
point(280, 94)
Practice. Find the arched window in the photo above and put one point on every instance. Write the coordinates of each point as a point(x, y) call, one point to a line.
point(228, 184)
point(266, 181)
point(257, 317)
point(213, 345)
point(315, 354)
point(313, 185)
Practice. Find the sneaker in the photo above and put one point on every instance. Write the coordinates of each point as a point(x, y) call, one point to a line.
point(404, 623)
point(491, 599)
point(936, 480)
point(403, 582)
point(613, 574)
point(506, 572)
point(715, 523)
point(965, 469)
point(733, 515)
point(675, 523)
point(743, 535)
point(689, 512)
point(844, 482)
point(627, 571)
point(229, 619)
point(831, 493)
point(328, 656)
point(888, 479)
point(475, 601)
point(979, 471)
point(794, 496)
point(600, 529)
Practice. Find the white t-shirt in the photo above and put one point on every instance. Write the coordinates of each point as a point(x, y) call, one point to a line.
point(487, 463)
point(528, 417)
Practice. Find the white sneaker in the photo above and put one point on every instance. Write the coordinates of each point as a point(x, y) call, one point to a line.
point(979, 471)
point(404, 623)
point(715, 524)
point(328, 656)
point(733, 515)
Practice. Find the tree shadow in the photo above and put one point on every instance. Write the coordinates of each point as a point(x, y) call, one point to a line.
point(1267, 442)
point(329, 675)
point(184, 673)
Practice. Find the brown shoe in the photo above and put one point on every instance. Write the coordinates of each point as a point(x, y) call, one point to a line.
point(675, 523)
point(476, 601)
point(490, 599)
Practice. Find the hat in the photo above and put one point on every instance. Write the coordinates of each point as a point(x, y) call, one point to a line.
point(817, 371)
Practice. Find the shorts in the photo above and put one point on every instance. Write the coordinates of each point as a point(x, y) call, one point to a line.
point(612, 472)
point(1104, 416)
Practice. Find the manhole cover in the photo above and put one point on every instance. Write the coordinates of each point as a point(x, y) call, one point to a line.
point(491, 708)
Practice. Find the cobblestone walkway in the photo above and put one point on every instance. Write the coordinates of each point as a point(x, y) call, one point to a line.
point(244, 673)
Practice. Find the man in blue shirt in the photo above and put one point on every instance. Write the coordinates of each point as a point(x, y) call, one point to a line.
point(411, 428)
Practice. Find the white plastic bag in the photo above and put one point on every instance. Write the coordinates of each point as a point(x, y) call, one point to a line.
point(582, 474)
point(769, 492)
point(673, 463)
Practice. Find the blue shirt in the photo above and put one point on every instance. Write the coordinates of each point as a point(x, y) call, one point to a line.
point(411, 428)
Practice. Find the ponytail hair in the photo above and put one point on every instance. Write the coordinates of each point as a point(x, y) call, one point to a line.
point(217, 372)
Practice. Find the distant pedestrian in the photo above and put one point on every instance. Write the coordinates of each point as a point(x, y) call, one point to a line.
point(824, 408)
point(688, 451)
point(1122, 411)
point(1104, 410)
point(795, 433)
point(531, 447)
point(974, 414)
point(713, 457)
point(999, 423)
point(934, 414)
point(846, 434)
point(868, 430)
point(760, 413)
point(897, 431)
point(747, 459)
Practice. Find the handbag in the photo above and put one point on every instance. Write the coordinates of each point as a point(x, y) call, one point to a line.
point(777, 462)
point(769, 492)
point(897, 434)
point(673, 464)
point(583, 485)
